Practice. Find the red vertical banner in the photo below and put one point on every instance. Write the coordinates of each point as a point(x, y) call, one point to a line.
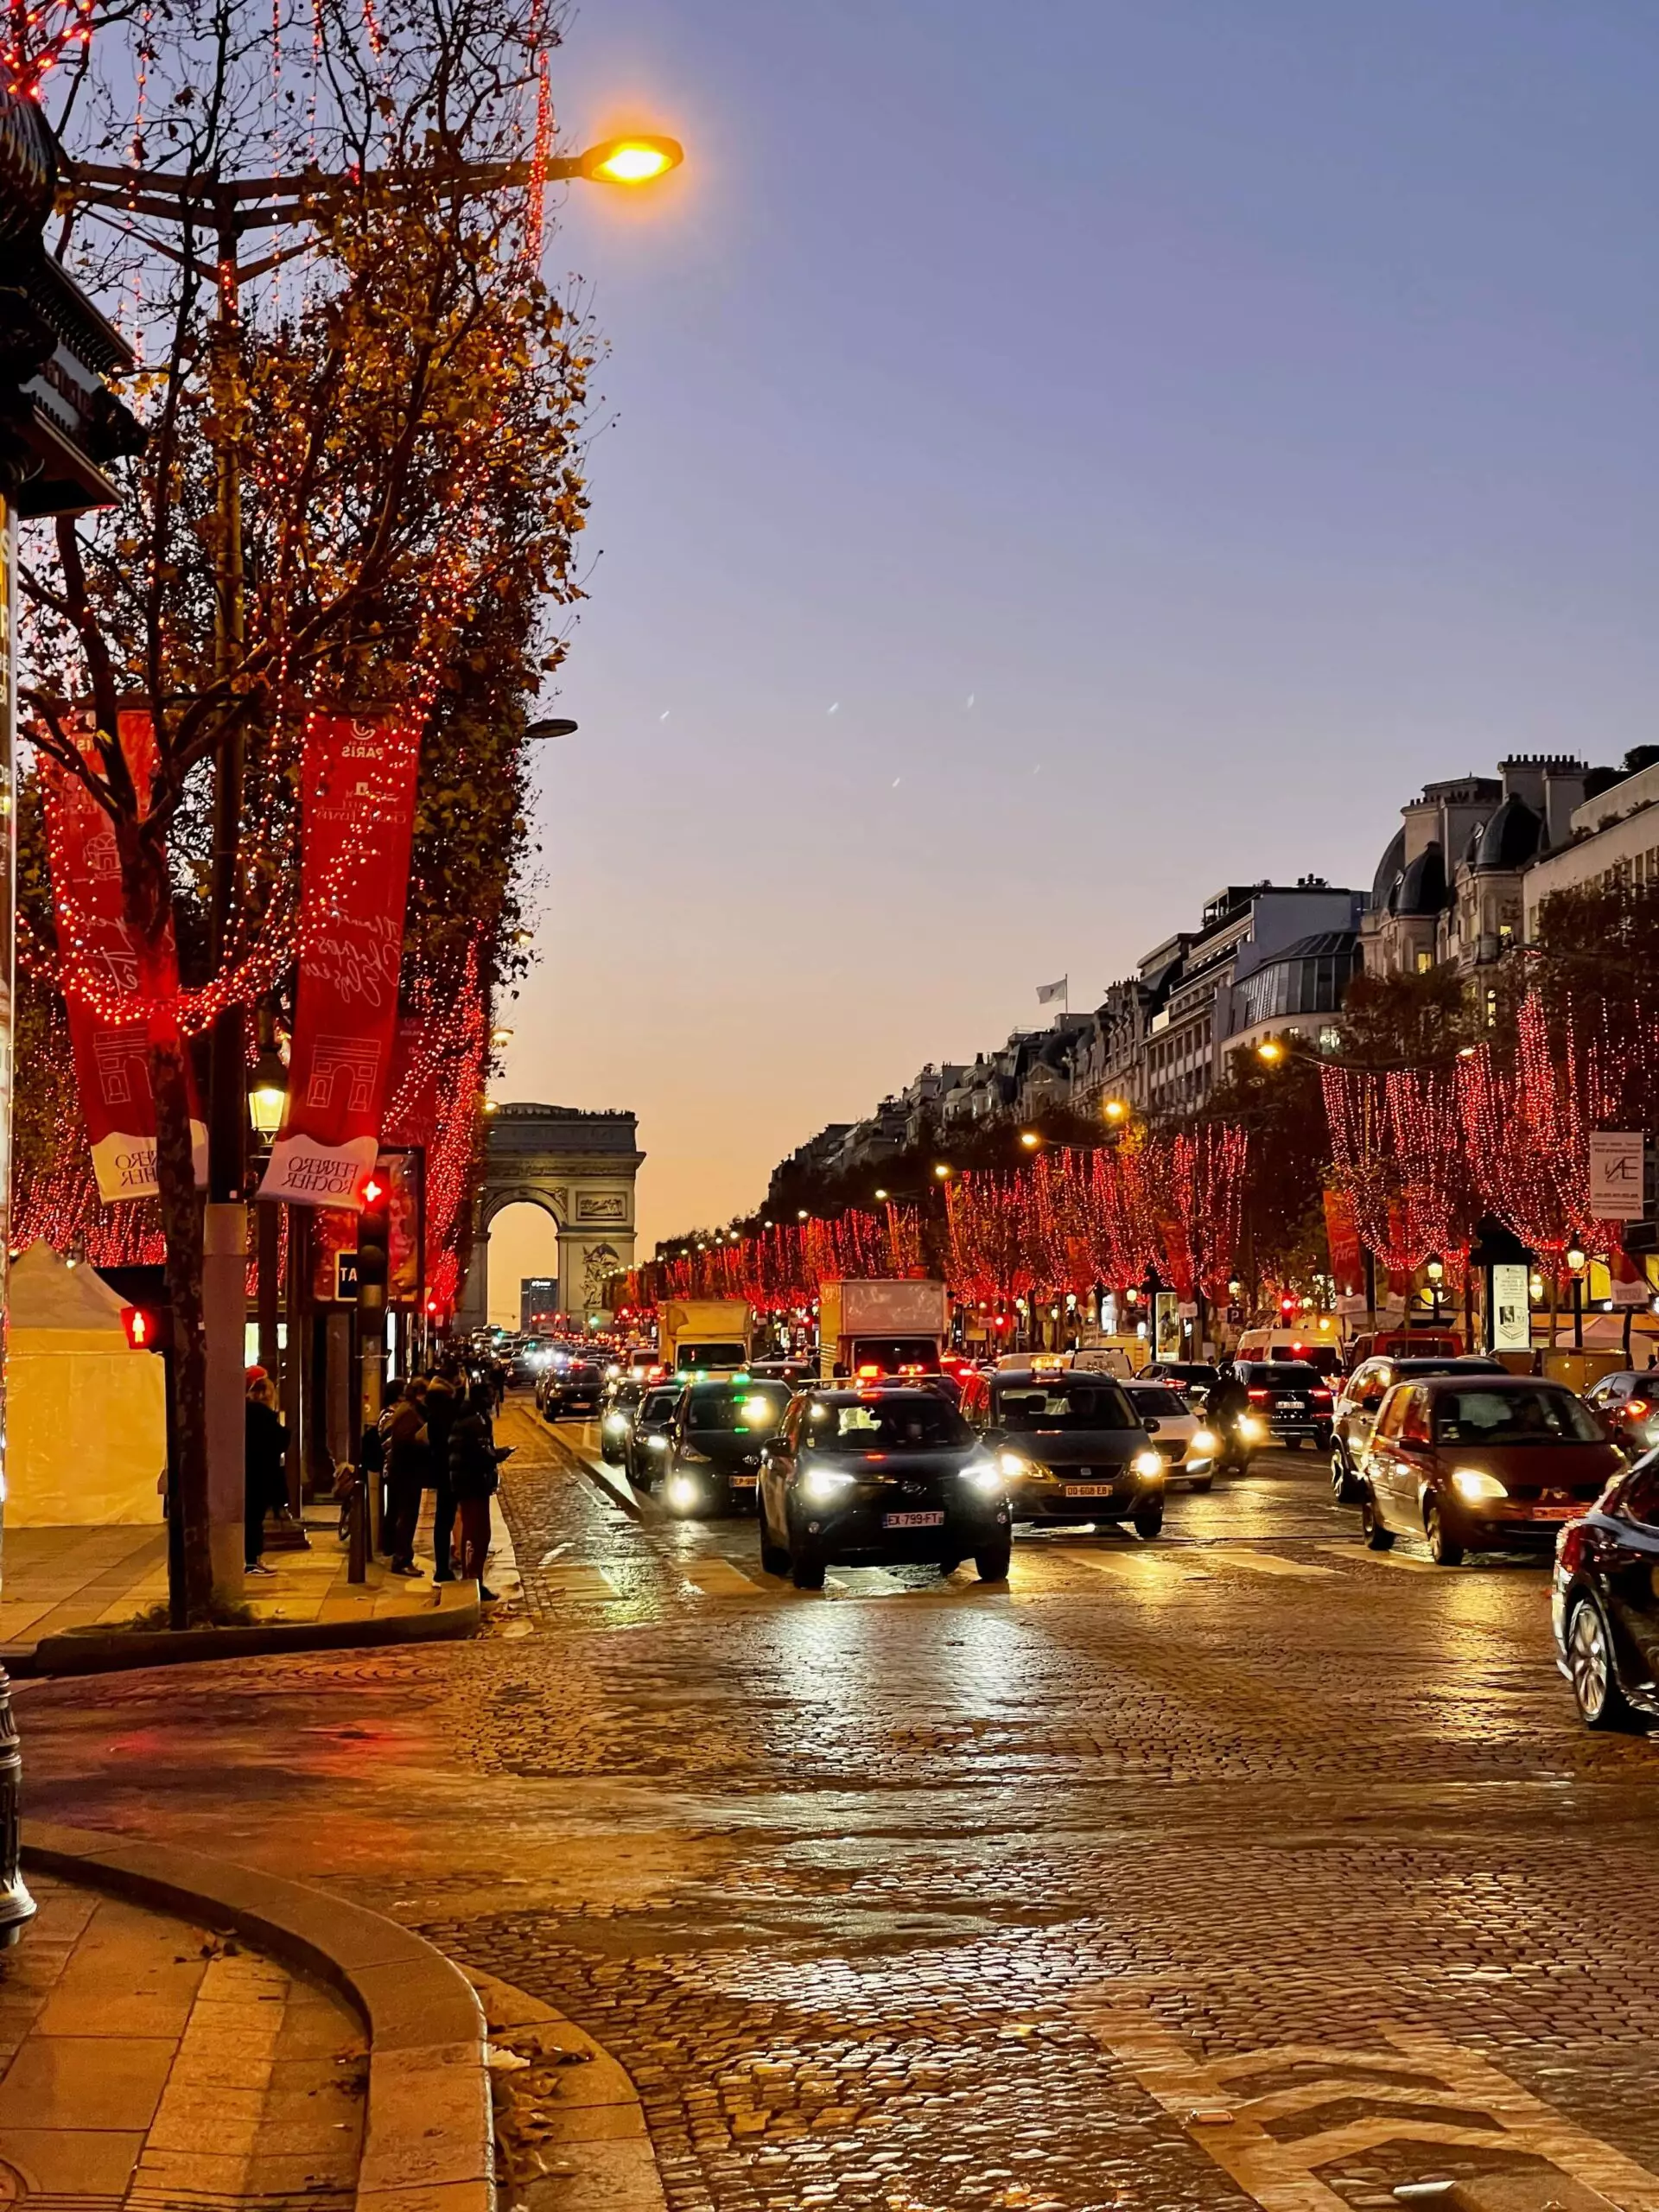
point(103, 963)
point(357, 820)
point(1342, 1235)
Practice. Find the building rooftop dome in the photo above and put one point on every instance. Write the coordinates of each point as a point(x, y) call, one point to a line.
point(1512, 837)
point(1388, 868)
point(1421, 888)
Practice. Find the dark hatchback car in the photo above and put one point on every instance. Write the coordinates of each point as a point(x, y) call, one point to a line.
point(1482, 1463)
point(880, 1477)
point(1070, 1445)
point(573, 1391)
point(1604, 1602)
point(1195, 1379)
point(645, 1449)
point(1292, 1396)
point(713, 1461)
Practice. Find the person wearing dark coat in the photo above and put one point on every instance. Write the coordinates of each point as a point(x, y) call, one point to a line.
point(474, 1477)
point(442, 1409)
point(408, 1457)
point(264, 1472)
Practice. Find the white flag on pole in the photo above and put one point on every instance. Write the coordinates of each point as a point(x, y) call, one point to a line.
point(1048, 993)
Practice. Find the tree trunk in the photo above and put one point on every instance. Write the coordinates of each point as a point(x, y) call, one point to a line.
point(182, 1224)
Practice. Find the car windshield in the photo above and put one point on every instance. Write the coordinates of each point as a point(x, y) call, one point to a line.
point(1538, 1416)
point(1064, 1404)
point(746, 1406)
point(731, 1355)
point(586, 1376)
point(1285, 1377)
point(1163, 1405)
point(659, 1405)
point(918, 1421)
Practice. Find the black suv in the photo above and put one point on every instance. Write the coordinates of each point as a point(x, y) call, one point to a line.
point(880, 1476)
point(1291, 1396)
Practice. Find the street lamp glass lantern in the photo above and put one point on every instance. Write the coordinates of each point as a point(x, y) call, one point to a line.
point(1434, 1268)
point(268, 1094)
point(1577, 1258)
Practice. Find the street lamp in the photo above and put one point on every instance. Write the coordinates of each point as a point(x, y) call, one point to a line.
point(267, 1093)
point(943, 1170)
point(1030, 1138)
point(879, 1197)
point(637, 160)
point(1434, 1268)
point(1577, 1261)
point(1271, 1050)
point(1116, 1110)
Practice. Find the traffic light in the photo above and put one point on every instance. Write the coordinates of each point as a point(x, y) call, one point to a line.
point(149, 1328)
point(1288, 1307)
point(374, 1234)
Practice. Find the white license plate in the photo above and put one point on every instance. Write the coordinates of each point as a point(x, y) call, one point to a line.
point(1292, 1405)
point(912, 1521)
point(1088, 1489)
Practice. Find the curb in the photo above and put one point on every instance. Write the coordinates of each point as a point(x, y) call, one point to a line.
point(111, 1651)
point(427, 2144)
point(597, 1474)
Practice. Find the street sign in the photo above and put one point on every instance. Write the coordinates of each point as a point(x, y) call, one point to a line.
point(1511, 1306)
point(1615, 1174)
point(345, 1275)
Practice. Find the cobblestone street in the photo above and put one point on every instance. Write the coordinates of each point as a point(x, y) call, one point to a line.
point(1247, 1865)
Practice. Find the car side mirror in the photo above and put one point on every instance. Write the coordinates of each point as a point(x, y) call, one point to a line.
point(1152, 1426)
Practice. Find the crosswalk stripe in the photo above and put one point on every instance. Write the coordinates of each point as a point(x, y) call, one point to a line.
point(1265, 1562)
point(1138, 1565)
point(1370, 1558)
point(580, 1582)
point(720, 1577)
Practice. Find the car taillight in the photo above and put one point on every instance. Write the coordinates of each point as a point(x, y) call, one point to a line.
point(1259, 1397)
point(1323, 1396)
point(1637, 1410)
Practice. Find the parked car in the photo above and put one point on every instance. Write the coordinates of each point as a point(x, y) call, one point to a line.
point(880, 1477)
point(712, 1462)
point(1605, 1601)
point(1359, 1399)
point(572, 1390)
point(617, 1408)
point(1292, 1397)
point(1189, 1446)
point(1482, 1463)
point(1627, 1401)
point(646, 1446)
point(1070, 1445)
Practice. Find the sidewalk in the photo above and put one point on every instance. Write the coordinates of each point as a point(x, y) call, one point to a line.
point(63, 1582)
point(145, 2062)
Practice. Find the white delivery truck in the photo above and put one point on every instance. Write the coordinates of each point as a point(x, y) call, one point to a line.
point(884, 1326)
point(705, 1335)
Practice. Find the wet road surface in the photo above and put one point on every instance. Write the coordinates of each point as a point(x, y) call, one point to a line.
point(1243, 1866)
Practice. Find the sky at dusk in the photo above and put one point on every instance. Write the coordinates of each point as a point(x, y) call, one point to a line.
point(1065, 458)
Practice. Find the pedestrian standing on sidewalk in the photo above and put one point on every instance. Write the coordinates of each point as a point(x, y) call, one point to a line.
point(408, 1459)
point(264, 1471)
point(474, 1476)
point(442, 1409)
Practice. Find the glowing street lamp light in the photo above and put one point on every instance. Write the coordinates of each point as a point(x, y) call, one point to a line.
point(1030, 1138)
point(1434, 1268)
point(1271, 1050)
point(1115, 1110)
point(268, 1094)
point(637, 159)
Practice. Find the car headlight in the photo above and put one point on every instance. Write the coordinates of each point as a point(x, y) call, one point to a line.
point(616, 1423)
point(823, 1485)
point(655, 1443)
point(1251, 1427)
point(1012, 1465)
point(1204, 1442)
point(683, 1491)
point(1147, 1464)
point(987, 1475)
point(1474, 1483)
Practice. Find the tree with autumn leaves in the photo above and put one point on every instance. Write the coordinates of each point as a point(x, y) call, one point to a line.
point(362, 486)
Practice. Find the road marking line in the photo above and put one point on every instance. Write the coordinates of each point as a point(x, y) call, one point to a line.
point(1138, 1565)
point(720, 1577)
point(1265, 1562)
point(579, 1583)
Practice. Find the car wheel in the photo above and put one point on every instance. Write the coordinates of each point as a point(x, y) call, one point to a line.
point(1148, 1520)
point(1590, 1668)
point(806, 1564)
point(991, 1565)
point(774, 1558)
point(1443, 1546)
point(1202, 1483)
point(1290, 1443)
point(1377, 1537)
point(949, 1564)
point(1322, 1440)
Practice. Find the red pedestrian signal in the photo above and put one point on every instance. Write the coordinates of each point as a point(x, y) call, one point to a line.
point(1287, 1305)
point(149, 1328)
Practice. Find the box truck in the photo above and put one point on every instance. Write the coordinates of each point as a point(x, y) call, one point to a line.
point(710, 1336)
point(881, 1327)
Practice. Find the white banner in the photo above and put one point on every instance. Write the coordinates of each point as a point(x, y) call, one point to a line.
point(1511, 1324)
point(1615, 1174)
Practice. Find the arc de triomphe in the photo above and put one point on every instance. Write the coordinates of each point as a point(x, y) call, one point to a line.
point(579, 1168)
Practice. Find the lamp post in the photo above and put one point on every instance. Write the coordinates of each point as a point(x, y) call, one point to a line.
point(1434, 1268)
point(1577, 1261)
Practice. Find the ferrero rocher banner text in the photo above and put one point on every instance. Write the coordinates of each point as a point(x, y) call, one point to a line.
point(103, 958)
point(356, 817)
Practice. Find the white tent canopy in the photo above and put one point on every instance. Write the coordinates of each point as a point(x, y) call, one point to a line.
point(85, 1415)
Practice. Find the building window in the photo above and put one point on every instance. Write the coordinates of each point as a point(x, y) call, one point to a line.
point(1425, 961)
